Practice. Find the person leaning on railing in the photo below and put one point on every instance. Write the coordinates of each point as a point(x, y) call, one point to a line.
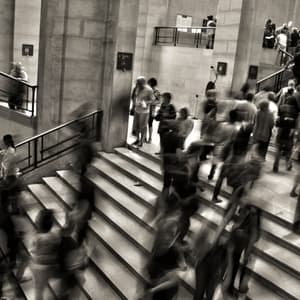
point(18, 89)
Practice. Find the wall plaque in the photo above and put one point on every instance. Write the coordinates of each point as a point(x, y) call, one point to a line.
point(124, 61)
point(27, 50)
point(222, 68)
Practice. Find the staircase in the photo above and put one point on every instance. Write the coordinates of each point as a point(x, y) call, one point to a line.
point(122, 238)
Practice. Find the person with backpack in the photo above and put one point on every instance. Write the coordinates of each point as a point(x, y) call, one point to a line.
point(286, 122)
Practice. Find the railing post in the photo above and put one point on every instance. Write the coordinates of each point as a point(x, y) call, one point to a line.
point(175, 33)
point(33, 101)
point(35, 153)
point(155, 36)
point(99, 125)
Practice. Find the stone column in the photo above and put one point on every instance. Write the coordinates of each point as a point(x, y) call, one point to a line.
point(226, 41)
point(6, 34)
point(121, 37)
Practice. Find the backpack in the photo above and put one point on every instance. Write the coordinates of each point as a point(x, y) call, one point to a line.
point(287, 114)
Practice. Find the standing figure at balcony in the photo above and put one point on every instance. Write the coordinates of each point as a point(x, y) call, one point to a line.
point(143, 99)
point(18, 88)
point(211, 32)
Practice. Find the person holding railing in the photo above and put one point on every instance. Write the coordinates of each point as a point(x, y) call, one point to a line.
point(18, 91)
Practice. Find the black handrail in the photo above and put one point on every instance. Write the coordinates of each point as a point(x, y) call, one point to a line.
point(193, 36)
point(51, 144)
point(18, 94)
point(279, 78)
point(17, 80)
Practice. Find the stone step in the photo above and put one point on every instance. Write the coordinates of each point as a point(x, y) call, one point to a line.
point(273, 213)
point(125, 224)
point(31, 210)
point(120, 165)
point(103, 233)
point(274, 230)
point(101, 183)
point(32, 206)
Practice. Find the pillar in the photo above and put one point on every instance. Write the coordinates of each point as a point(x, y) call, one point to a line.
point(79, 43)
point(226, 40)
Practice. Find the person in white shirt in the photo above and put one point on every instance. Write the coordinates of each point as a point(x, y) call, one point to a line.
point(281, 43)
point(144, 97)
point(8, 169)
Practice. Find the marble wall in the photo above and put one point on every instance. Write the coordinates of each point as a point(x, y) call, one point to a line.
point(27, 31)
point(6, 34)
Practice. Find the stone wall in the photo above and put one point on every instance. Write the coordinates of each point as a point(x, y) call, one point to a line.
point(182, 71)
point(197, 9)
point(27, 31)
point(250, 51)
point(6, 34)
point(71, 59)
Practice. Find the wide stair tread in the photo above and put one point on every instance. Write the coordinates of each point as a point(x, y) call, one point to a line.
point(47, 199)
point(124, 181)
point(126, 225)
point(276, 229)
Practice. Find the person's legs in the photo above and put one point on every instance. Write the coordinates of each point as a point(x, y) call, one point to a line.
point(150, 129)
point(293, 192)
point(137, 127)
point(277, 158)
point(219, 184)
point(212, 171)
point(236, 256)
point(201, 281)
point(143, 124)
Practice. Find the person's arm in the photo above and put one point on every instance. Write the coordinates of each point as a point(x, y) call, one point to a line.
point(6, 163)
point(169, 280)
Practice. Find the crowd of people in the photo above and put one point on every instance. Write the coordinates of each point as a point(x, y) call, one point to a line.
point(235, 136)
point(285, 37)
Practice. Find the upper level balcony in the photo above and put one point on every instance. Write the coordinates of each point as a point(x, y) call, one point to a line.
point(193, 36)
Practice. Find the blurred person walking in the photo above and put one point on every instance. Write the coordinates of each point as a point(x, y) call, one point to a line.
point(45, 252)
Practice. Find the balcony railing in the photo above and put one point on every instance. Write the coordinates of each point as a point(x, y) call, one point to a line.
point(199, 37)
point(18, 93)
point(50, 145)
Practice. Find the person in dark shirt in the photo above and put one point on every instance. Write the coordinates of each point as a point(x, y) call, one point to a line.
point(245, 233)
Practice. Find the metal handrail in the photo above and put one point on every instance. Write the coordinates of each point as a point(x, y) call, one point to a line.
point(186, 27)
point(198, 36)
point(45, 147)
point(274, 74)
point(58, 127)
point(18, 80)
point(18, 94)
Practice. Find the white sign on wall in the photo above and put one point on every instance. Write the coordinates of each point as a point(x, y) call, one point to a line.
point(183, 21)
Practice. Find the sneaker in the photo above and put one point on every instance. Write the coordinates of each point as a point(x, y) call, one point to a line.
point(293, 194)
point(216, 200)
point(135, 143)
